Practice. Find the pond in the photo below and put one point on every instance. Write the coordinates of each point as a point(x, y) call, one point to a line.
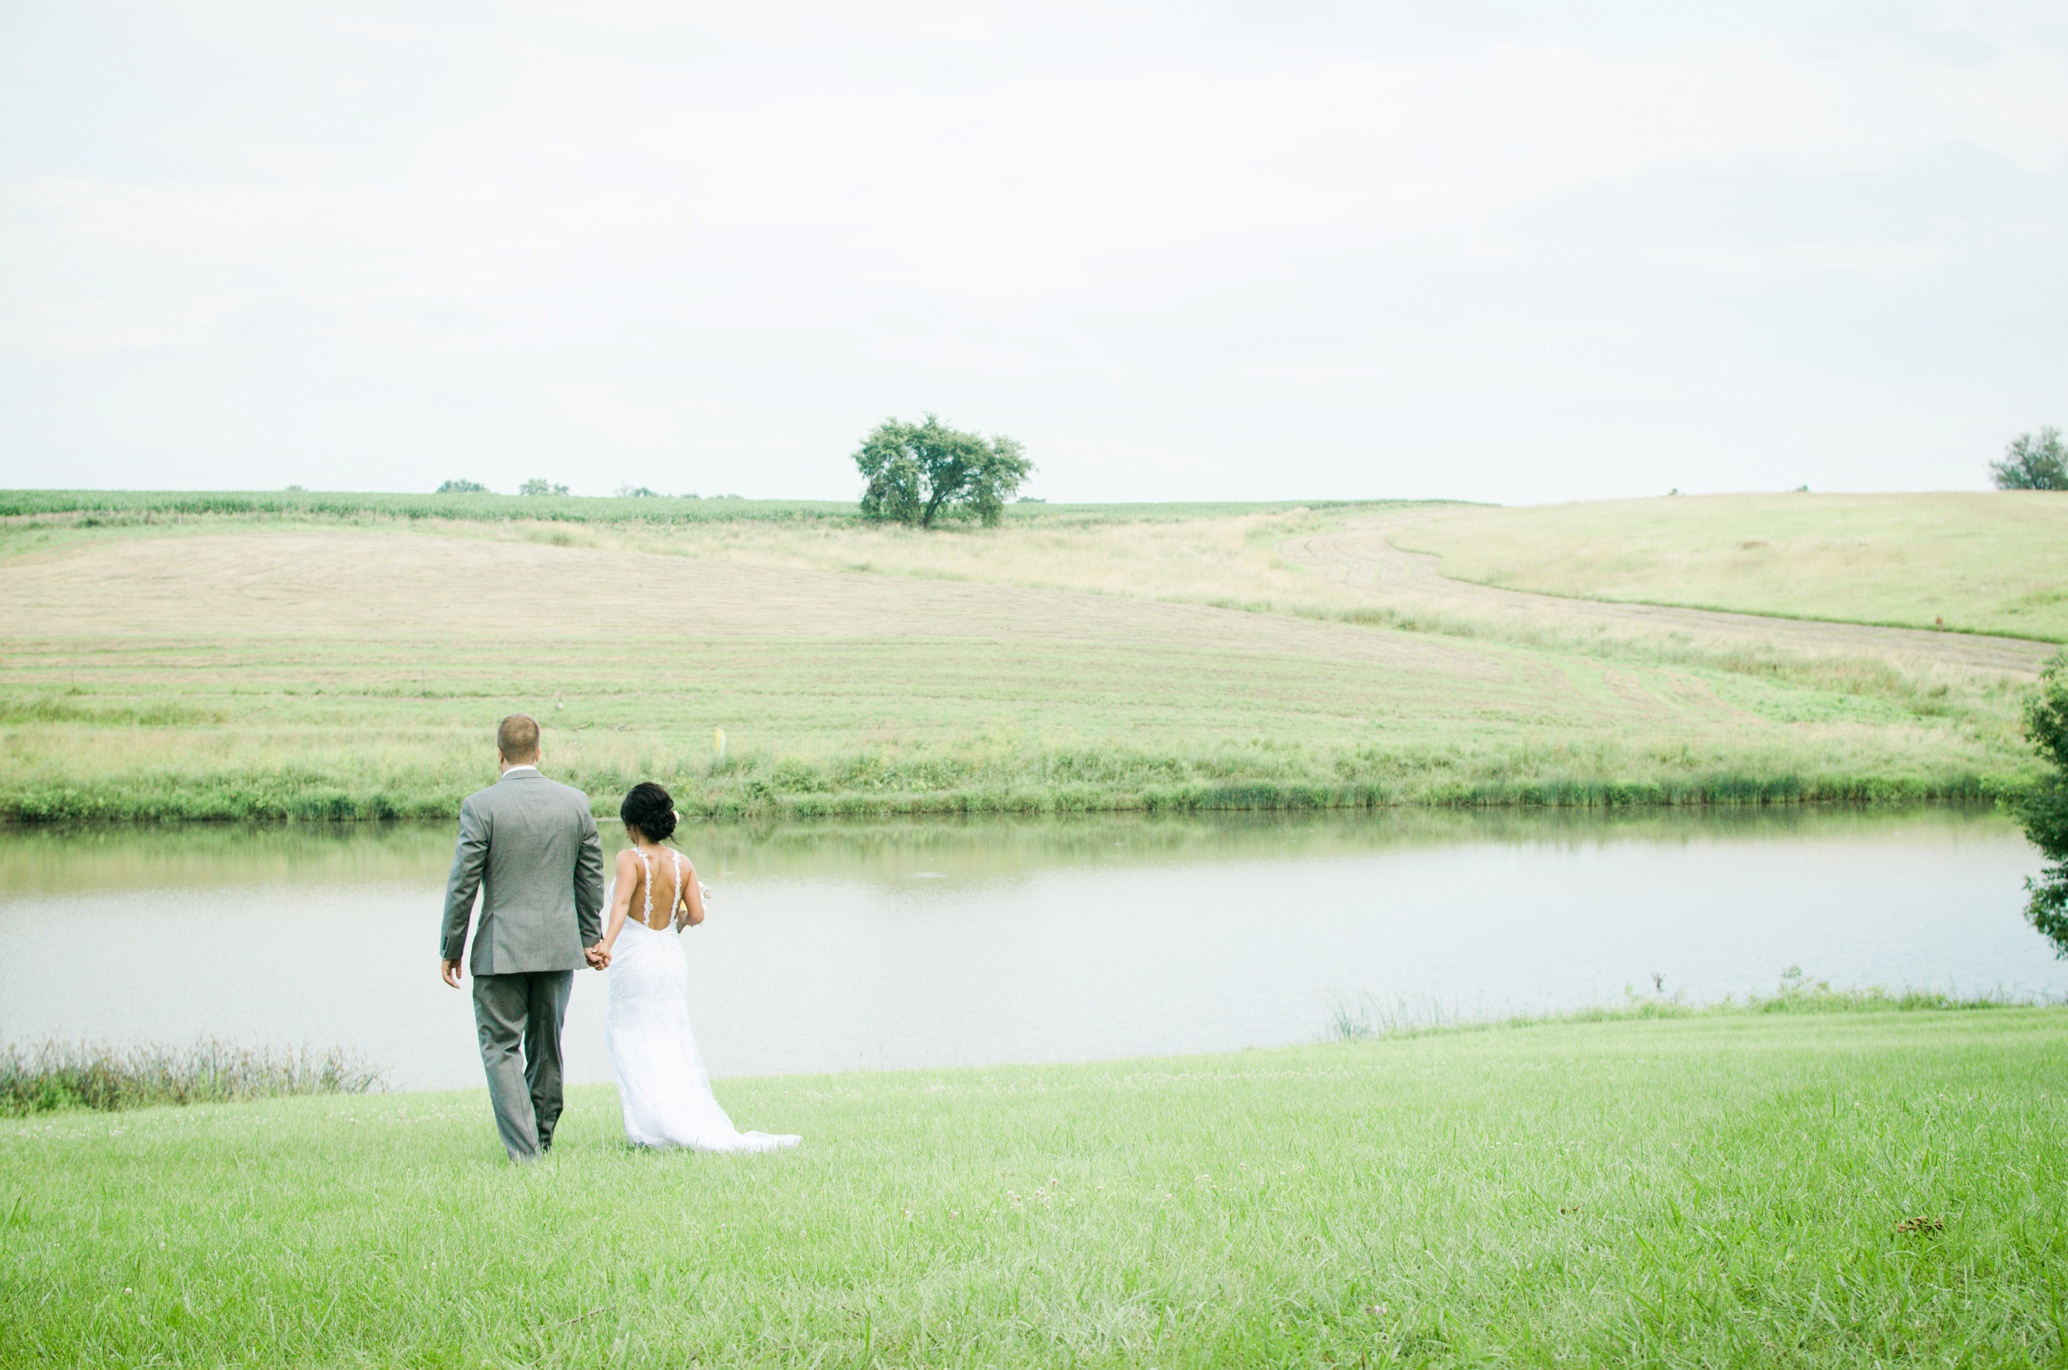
point(873, 946)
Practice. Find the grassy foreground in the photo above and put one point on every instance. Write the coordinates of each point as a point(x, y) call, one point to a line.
point(1980, 563)
point(1722, 1189)
point(230, 667)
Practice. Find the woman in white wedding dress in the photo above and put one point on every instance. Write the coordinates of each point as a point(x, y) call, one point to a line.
point(653, 1051)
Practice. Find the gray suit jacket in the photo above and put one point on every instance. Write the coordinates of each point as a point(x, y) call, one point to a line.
point(529, 844)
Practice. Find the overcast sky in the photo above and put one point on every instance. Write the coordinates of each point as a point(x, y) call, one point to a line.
point(1228, 249)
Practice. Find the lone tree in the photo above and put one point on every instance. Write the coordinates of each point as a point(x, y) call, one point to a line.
point(2033, 463)
point(920, 472)
point(2044, 807)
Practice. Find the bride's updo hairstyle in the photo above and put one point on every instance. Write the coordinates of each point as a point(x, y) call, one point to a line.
point(649, 809)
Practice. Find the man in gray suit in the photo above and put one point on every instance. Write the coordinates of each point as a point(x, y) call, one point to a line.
point(529, 845)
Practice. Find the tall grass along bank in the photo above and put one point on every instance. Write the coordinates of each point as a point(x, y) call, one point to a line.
point(1365, 1017)
point(1785, 1189)
point(1024, 781)
point(43, 1077)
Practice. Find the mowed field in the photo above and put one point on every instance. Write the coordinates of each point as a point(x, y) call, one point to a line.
point(227, 668)
point(1982, 563)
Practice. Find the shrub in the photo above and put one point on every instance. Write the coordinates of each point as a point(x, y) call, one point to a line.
point(2033, 462)
point(2044, 807)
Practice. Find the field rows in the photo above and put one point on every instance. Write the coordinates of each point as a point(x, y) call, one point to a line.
point(333, 669)
point(369, 665)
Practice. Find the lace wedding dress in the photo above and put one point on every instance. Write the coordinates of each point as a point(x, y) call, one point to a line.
point(653, 1050)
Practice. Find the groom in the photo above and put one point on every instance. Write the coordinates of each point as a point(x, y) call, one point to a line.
point(529, 845)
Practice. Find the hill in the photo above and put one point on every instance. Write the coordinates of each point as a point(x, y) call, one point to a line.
point(238, 666)
point(1970, 562)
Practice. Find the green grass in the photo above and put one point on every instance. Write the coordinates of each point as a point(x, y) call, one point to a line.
point(1984, 563)
point(1827, 1190)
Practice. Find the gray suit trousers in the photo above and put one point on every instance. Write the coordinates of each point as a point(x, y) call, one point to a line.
point(527, 1008)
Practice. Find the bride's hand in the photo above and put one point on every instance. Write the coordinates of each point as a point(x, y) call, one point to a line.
point(682, 910)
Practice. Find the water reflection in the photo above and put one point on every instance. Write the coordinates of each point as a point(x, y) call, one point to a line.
point(38, 860)
point(843, 945)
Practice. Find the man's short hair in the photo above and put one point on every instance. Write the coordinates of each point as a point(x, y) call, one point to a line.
point(517, 738)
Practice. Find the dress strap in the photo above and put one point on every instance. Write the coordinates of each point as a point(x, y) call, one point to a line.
point(681, 889)
point(647, 866)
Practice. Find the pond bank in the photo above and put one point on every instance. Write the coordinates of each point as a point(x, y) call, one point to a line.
point(794, 791)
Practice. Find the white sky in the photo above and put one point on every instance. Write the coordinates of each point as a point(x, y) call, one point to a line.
point(1232, 249)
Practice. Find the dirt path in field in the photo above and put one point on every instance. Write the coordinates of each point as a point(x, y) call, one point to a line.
point(1365, 558)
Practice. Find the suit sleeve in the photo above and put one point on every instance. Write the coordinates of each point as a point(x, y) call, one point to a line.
point(468, 860)
point(588, 881)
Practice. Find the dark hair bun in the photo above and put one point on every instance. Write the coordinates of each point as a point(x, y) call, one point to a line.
point(649, 809)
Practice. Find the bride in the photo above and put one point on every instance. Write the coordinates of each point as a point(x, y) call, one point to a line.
point(653, 1052)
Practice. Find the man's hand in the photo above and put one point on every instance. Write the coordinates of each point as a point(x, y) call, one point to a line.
point(599, 957)
point(449, 971)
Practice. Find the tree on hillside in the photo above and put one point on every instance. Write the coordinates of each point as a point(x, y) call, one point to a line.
point(537, 486)
point(2033, 463)
point(2044, 808)
point(922, 472)
point(463, 487)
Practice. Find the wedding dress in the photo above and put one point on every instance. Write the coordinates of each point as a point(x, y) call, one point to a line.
point(653, 1051)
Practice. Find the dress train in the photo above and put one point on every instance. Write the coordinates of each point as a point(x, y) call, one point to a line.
point(653, 1051)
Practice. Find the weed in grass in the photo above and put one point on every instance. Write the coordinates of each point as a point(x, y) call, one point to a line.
point(1365, 1017)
